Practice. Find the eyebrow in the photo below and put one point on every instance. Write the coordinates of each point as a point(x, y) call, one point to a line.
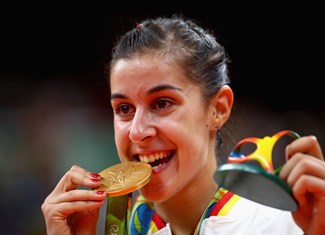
point(151, 91)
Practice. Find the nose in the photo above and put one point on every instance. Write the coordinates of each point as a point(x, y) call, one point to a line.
point(142, 130)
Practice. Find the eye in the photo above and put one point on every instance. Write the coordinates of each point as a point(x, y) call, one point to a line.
point(125, 110)
point(163, 104)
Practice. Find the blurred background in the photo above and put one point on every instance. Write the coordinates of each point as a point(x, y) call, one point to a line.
point(54, 100)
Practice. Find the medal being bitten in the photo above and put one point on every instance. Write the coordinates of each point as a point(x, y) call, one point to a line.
point(124, 177)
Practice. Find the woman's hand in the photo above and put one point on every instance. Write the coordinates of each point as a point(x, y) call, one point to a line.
point(305, 173)
point(71, 210)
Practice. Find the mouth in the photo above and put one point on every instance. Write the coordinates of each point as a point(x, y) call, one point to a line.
point(156, 160)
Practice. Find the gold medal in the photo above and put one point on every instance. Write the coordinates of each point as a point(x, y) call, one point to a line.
point(124, 178)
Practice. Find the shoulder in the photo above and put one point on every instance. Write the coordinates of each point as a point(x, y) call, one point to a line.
point(248, 216)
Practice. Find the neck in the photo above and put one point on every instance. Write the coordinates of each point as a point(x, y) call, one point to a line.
point(195, 200)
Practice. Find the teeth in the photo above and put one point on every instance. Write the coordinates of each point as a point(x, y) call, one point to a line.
point(152, 157)
point(156, 167)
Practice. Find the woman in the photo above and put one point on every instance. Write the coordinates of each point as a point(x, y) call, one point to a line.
point(170, 94)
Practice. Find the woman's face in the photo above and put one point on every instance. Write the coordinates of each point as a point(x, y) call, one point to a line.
point(160, 117)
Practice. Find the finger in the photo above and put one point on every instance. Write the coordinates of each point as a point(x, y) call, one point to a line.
point(308, 185)
point(306, 144)
point(302, 164)
point(65, 202)
point(73, 207)
point(78, 195)
point(62, 210)
point(77, 176)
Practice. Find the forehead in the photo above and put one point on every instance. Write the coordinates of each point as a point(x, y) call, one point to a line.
point(145, 70)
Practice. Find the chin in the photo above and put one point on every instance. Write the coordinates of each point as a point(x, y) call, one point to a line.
point(153, 195)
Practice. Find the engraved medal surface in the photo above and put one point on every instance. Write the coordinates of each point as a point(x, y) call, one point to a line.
point(124, 178)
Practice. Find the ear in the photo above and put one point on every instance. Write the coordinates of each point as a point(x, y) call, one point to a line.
point(221, 106)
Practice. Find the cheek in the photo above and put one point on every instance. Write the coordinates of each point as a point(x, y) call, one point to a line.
point(121, 136)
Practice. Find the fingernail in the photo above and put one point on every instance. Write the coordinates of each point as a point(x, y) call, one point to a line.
point(95, 180)
point(94, 175)
point(100, 192)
